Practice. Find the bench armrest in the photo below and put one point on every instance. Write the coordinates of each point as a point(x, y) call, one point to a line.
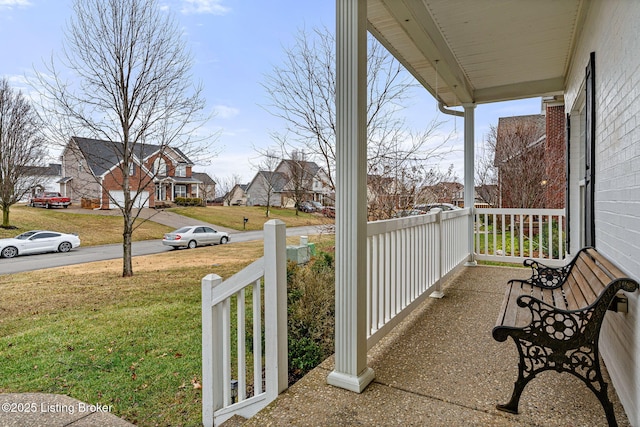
point(552, 323)
point(544, 276)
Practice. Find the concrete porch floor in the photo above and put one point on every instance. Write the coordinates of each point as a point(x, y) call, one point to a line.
point(442, 367)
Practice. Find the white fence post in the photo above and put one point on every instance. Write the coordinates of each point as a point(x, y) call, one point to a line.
point(211, 363)
point(275, 301)
point(437, 293)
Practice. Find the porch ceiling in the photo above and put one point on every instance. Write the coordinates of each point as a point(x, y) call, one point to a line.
point(481, 51)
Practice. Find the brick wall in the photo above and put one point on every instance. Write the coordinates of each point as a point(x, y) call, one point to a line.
point(555, 159)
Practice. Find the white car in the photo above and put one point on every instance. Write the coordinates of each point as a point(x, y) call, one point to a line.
point(195, 235)
point(37, 241)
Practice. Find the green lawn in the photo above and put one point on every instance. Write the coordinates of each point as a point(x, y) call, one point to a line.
point(92, 229)
point(132, 343)
point(233, 216)
point(509, 242)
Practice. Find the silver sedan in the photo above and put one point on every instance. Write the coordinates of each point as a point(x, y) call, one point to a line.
point(37, 241)
point(193, 236)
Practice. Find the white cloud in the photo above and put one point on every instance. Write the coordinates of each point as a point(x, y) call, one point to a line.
point(214, 7)
point(225, 112)
point(8, 4)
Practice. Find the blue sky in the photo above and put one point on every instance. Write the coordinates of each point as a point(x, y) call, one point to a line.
point(235, 44)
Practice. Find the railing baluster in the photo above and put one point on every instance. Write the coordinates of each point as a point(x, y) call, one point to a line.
point(521, 235)
point(226, 345)
point(241, 346)
point(560, 236)
point(550, 233)
point(375, 307)
point(257, 338)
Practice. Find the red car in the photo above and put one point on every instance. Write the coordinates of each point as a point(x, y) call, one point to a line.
point(329, 211)
point(50, 199)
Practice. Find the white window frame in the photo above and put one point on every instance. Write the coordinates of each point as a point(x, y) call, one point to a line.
point(180, 190)
point(160, 166)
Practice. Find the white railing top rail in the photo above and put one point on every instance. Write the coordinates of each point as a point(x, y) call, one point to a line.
point(393, 224)
point(519, 211)
point(238, 281)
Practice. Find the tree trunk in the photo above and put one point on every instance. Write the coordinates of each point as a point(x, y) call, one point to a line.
point(5, 216)
point(127, 266)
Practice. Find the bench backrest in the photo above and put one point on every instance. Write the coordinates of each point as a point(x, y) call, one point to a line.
point(588, 277)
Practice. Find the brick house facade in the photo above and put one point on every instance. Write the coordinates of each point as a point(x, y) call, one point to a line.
point(92, 170)
point(530, 158)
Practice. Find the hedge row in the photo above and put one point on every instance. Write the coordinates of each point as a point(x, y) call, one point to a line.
point(188, 201)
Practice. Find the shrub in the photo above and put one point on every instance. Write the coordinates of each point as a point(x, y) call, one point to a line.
point(188, 201)
point(311, 312)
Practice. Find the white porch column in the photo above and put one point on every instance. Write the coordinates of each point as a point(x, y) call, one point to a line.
point(351, 371)
point(469, 172)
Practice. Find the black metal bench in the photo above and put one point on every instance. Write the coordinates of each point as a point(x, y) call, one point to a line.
point(554, 318)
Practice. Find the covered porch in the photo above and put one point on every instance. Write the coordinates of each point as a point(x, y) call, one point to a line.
point(442, 367)
point(463, 53)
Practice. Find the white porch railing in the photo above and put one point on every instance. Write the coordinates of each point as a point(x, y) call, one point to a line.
point(407, 260)
point(512, 235)
point(220, 398)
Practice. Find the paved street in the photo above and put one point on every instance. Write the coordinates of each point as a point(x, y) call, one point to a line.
point(85, 254)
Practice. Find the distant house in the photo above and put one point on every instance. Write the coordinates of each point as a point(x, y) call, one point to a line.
point(442, 192)
point(530, 159)
point(267, 188)
point(237, 196)
point(206, 190)
point(92, 169)
point(290, 181)
point(43, 178)
point(386, 195)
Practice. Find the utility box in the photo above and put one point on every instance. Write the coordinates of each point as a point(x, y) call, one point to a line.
point(298, 254)
point(301, 254)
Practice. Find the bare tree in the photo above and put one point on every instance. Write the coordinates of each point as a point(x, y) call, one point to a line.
point(409, 186)
point(129, 85)
point(302, 93)
point(486, 177)
point(300, 178)
point(21, 148)
point(225, 187)
point(271, 181)
point(518, 148)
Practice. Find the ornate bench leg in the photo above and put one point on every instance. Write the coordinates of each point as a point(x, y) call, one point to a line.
point(518, 388)
point(599, 388)
point(526, 372)
point(608, 407)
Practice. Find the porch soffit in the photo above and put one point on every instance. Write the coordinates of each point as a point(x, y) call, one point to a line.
point(481, 51)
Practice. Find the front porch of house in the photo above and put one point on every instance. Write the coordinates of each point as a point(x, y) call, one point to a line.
point(434, 359)
point(441, 366)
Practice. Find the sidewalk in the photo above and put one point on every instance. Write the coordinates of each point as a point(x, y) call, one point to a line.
point(54, 410)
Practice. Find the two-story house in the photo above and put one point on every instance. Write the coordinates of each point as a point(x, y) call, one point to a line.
point(292, 181)
point(92, 169)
